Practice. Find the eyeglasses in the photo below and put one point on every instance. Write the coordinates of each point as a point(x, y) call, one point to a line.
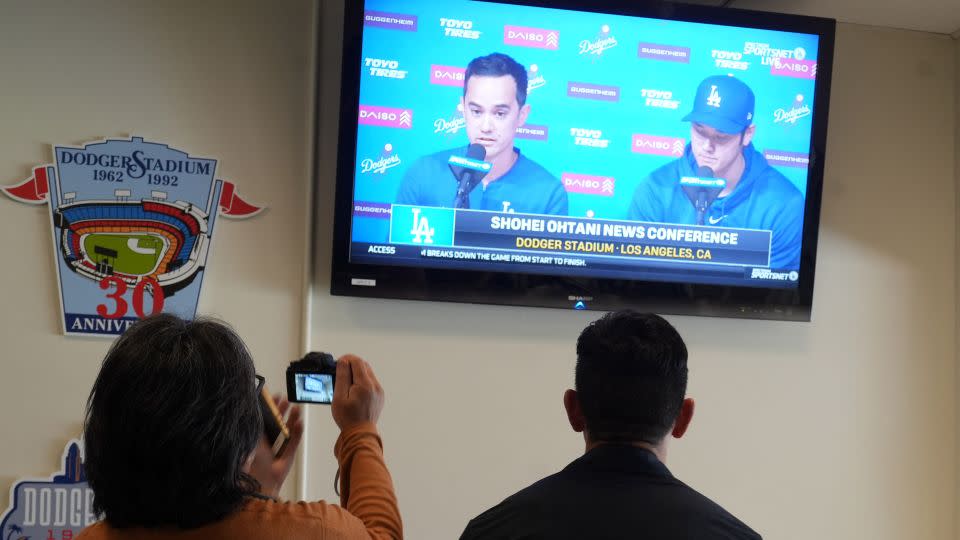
point(260, 381)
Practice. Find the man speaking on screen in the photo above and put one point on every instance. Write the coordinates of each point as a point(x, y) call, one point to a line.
point(755, 196)
point(494, 106)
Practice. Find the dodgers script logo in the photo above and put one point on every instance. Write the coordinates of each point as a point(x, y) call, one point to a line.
point(535, 78)
point(57, 508)
point(450, 126)
point(421, 232)
point(387, 160)
point(790, 116)
point(132, 226)
point(604, 41)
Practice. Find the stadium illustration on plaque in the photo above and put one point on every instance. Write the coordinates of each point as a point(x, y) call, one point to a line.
point(132, 224)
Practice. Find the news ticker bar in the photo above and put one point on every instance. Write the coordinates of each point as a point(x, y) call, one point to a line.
point(585, 265)
point(559, 237)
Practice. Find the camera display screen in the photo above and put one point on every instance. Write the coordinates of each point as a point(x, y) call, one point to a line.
point(314, 387)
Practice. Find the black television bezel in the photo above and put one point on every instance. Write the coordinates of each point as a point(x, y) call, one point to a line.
point(556, 291)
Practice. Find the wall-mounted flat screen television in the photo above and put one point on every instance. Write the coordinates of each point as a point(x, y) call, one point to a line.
point(586, 154)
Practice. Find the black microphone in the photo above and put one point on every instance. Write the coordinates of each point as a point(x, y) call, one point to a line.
point(469, 170)
point(702, 190)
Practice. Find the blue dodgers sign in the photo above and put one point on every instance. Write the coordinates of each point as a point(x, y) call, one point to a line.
point(421, 225)
point(132, 225)
point(57, 508)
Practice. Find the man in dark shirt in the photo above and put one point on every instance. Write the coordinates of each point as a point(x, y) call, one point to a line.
point(631, 380)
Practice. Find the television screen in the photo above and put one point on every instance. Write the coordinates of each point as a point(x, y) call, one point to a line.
point(581, 155)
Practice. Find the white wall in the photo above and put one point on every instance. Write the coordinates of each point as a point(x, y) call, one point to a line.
point(227, 79)
point(841, 428)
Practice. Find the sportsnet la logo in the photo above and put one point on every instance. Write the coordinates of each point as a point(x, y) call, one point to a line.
point(421, 231)
point(766, 273)
point(797, 110)
point(387, 69)
point(603, 42)
point(729, 60)
point(459, 28)
point(386, 160)
point(535, 78)
point(661, 99)
point(589, 137)
point(768, 53)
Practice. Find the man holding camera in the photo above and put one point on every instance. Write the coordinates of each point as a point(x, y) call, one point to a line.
point(175, 447)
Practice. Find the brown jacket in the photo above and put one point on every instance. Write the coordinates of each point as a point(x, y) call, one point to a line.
point(369, 506)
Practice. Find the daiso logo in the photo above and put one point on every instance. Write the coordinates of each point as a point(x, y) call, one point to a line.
point(531, 37)
point(372, 115)
point(447, 75)
point(658, 146)
point(789, 67)
point(589, 184)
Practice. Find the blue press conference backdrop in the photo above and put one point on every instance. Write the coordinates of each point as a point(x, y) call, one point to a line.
point(409, 48)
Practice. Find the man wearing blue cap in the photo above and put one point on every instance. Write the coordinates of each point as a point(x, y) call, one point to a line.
point(756, 195)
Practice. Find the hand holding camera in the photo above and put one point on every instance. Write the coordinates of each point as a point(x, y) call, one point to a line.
point(348, 384)
point(358, 396)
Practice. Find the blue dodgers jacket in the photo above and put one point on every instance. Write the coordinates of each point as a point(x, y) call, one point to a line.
point(526, 188)
point(764, 199)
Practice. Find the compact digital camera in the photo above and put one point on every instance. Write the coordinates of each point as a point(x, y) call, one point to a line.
point(311, 379)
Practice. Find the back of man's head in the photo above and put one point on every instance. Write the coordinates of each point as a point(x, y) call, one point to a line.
point(171, 420)
point(631, 377)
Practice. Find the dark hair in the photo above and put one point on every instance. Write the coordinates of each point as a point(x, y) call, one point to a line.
point(498, 65)
point(631, 377)
point(170, 421)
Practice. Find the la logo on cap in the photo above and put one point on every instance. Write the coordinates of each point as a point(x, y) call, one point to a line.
point(714, 99)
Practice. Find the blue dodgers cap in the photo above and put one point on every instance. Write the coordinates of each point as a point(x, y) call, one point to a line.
point(724, 103)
